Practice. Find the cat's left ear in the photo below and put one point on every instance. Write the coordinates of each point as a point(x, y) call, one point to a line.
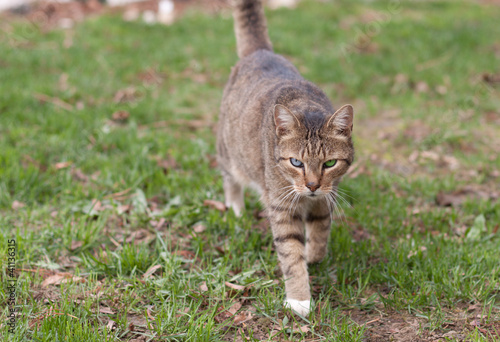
point(342, 120)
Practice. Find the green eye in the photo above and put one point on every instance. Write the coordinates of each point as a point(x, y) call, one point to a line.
point(330, 163)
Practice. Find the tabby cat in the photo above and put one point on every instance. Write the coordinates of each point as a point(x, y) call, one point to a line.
point(280, 135)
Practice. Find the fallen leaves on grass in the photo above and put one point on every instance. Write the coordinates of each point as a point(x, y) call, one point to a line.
point(199, 228)
point(106, 310)
point(120, 117)
point(149, 273)
point(17, 205)
point(54, 100)
point(492, 79)
point(234, 286)
point(76, 244)
point(449, 162)
point(168, 163)
point(62, 165)
point(215, 205)
point(243, 317)
point(128, 94)
point(203, 287)
point(78, 175)
point(111, 325)
point(458, 197)
point(60, 278)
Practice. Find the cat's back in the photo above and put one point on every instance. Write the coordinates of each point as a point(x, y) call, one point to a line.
point(260, 69)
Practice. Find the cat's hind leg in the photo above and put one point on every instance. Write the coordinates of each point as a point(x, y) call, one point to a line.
point(233, 193)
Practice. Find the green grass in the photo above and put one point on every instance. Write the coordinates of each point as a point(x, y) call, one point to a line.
point(396, 256)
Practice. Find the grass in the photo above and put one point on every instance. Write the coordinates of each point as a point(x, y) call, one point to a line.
point(100, 202)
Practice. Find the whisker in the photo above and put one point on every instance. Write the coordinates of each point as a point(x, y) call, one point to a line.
point(344, 192)
point(343, 200)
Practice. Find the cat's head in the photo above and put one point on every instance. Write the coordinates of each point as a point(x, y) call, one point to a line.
point(314, 149)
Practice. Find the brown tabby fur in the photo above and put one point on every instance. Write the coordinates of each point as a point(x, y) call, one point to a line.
point(270, 114)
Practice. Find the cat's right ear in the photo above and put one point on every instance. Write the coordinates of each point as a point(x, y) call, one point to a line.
point(284, 120)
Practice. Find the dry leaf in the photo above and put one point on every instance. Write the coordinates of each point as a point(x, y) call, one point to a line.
point(234, 308)
point(243, 317)
point(78, 175)
point(106, 310)
point(215, 204)
point(60, 278)
point(148, 311)
point(167, 163)
point(76, 245)
point(303, 329)
point(17, 205)
point(125, 95)
point(62, 165)
point(204, 287)
point(151, 271)
point(199, 228)
point(235, 287)
point(110, 325)
point(120, 116)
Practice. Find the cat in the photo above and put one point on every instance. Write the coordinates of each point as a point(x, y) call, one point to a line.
point(279, 135)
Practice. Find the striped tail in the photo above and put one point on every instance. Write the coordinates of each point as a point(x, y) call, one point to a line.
point(250, 27)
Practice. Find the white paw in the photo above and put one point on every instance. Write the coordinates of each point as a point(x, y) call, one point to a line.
point(302, 307)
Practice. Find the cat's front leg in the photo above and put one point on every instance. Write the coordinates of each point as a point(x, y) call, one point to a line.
point(288, 234)
point(318, 226)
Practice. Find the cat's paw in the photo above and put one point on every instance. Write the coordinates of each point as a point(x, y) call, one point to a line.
point(302, 307)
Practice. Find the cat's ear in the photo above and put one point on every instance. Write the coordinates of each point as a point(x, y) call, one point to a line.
point(342, 119)
point(284, 120)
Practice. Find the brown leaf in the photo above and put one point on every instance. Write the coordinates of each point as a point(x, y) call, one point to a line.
point(303, 329)
point(215, 205)
point(120, 116)
point(199, 228)
point(491, 78)
point(203, 287)
point(78, 175)
point(458, 197)
point(62, 165)
point(235, 287)
point(106, 310)
point(421, 87)
point(138, 236)
point(167, 163)
point(148, 311)
point(186, 254)
point(242, 317)
point(17, 205)
point(76, 245)
point(151, 271)
point(125, 95)
point(55, 101)
point(60, 278)
point(111, 324)
point(234, 308)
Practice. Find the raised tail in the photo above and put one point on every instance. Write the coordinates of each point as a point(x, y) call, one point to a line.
point(250, 27)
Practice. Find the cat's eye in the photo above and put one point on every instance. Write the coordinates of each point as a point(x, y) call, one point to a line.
point(330, 163)
point(296, 163)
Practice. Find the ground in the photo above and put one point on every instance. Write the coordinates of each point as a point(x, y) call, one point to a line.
point(110, 189)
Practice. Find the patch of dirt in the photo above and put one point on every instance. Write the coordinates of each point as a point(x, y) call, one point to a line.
point(403, 327)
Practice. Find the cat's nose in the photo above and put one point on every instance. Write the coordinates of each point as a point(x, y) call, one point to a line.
point(312, 186)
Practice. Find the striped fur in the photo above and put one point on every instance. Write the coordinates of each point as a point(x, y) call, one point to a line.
point(269, 117)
